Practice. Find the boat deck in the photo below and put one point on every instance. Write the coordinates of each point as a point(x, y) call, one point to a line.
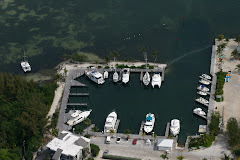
point(204, 117)
point(205, 104)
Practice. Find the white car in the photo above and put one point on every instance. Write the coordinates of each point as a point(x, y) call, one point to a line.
point(108, 139)
point(118, 140)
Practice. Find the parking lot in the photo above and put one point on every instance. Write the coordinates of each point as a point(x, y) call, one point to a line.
point(127, 149)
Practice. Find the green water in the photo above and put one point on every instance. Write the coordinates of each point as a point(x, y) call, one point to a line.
point(48, 29)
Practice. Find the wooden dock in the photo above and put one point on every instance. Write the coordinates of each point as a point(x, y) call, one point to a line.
point(79, 94)
point(76, 104)
point(204, 117)
point(167, 130)
point(75, 83)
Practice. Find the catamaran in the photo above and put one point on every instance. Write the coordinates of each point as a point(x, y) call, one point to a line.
point(156, 80)
point(125, 75)
point(149, 124)
point(25, 65)
point(110, 122)
point(175, 127)
point(95, 76)
point(78, 116)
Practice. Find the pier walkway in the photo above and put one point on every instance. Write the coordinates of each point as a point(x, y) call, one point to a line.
point(167, 130)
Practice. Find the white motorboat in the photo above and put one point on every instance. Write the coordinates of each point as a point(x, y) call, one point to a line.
point(202, 93)
point(146, 79)
point(125, 75)
point(203, 88)
point(115, 77)
point(110, 122)
point(95, 76)
point(175, 127)
point(105, 74)
point(202, 100)
point(78, 116)
point(203, 81)
point(205, 76)
point(199, 111)
point(149, 124)
point(156, 80)
point(25, 65)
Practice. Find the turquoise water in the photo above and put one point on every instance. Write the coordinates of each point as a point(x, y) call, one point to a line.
point(48, 30)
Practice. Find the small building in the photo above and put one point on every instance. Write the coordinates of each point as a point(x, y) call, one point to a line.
point(68, 146)
point(165, 144)
point(238, 49)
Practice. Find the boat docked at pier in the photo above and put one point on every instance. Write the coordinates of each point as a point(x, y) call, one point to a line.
point(175, 127)
point(110, 122)
point(115, 77)
point(202, 100)
point(204, 81)
point(78, 116)
point(205, 76)
point(146, 79)
point(203, 88)
point(25, 65)
point(105, 74)
point(156, 80)
point(199, 111)
point(149, 124)
point(95, 76)
point(125, 75)
point(202, 93)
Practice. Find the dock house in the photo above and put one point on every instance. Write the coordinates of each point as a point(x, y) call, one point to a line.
point(68, 146)
point(165, 144)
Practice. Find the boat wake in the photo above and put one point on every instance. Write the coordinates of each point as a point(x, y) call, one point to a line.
point(189, 53)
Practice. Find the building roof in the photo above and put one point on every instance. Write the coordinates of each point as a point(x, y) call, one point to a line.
point(57, 154)
point(67, 142)
point(165, 142)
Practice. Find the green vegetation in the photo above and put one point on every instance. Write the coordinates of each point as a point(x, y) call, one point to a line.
point(226, 157)
point(95, 129)
point(94, 149)
point(79, 57)
point(23, 109)
point(114, 54)
point(220, 37)
point(112, 157)
point(127, 131)
point(220, 83)
point(233, 132)
point(164, 156)
point(214, 124)
point(237, 39)
point(235, 54)
point(180, 157)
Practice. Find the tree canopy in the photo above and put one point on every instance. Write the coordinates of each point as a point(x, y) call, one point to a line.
point(23, 109)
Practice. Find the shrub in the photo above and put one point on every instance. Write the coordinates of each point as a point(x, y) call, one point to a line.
point(214, 124)
point(94, 149)
point(233, 132)
point(133, 67)
point(107, 67)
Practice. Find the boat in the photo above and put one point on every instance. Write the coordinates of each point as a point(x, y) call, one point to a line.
point(25, 65)
point(95, 76)
point(199, 111)
point(125, 75)
point(203, 81)
point(202, 93)
point(146, 79)
point(175, 127)
point(110, 122)
point(205, 76)
point(78, 116)
point(202, 100)
point(105, 74)
point(203, 88)
point(115, 77)
point(156, 80)
point(149, 124)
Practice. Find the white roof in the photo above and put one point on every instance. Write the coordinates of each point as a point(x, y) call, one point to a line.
point(165, 142)
point(67, 144)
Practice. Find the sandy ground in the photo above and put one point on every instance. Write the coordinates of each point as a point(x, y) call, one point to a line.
point(230, 107)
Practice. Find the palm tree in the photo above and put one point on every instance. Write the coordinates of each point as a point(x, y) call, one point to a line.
point(220, 37)
point(180, 157)
point(143, 134)
point(164, 156)
point(226, 157)
point(237, 39)
point(112, 131)
point(107, 59)
point(114, 54)
point(143, 50)
point(154, 55)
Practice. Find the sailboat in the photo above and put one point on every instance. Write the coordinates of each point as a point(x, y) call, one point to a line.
point(146, 77)
point(25, 65)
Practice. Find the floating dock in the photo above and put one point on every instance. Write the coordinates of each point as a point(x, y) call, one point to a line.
point(77, 104)
point(167, 130)
point(79, 94)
